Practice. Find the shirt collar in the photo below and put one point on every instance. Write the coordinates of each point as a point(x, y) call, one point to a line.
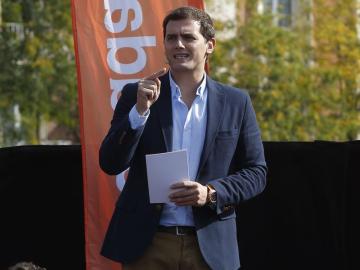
point(175, 89)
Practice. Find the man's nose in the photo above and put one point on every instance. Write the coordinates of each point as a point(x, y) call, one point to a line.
point(179, 43)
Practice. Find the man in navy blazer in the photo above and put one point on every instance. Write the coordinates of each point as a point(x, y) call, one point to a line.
point(183, 109)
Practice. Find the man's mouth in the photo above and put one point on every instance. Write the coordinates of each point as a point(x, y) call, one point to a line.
point(181, 56)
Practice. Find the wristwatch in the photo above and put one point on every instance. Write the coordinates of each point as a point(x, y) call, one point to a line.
point(211, 197)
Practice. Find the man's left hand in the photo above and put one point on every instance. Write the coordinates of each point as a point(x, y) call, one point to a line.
point(189, 193)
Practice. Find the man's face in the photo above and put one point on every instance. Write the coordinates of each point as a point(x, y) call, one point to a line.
point(185, 47)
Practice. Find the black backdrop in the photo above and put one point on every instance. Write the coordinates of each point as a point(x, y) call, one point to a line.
point(305, 218)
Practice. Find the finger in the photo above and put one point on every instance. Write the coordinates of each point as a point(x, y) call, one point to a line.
point(181, 194)
point(146, 93)
point(152, 85)
point(149, 86)
point(187, 201)
point(185, 183)
point(156, 74)
point(158, 84)
point(182, 197)
point(184, 203)
point(177, 185)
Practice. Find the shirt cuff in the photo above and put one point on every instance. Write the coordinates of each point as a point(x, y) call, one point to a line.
point(137, 120)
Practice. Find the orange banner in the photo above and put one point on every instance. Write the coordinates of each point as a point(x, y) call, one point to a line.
point(116, 42)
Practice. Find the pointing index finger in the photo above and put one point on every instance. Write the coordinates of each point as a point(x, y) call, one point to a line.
point(156, 74)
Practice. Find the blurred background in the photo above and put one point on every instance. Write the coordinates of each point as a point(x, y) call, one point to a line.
point(299, 60)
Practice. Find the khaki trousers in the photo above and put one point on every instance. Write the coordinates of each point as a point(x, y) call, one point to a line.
point(170, 252)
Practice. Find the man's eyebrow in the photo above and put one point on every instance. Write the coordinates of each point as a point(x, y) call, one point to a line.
point(188, 34)
point(184, 34)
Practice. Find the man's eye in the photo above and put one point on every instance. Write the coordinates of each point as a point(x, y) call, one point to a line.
point(189, 37)
point(170, 38)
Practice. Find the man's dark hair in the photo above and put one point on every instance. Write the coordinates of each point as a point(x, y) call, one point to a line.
point(198, 15)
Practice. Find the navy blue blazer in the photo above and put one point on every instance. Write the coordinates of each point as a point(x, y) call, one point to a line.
point(232, 161)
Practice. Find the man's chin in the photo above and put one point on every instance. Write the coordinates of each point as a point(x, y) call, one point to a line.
point(180, 67)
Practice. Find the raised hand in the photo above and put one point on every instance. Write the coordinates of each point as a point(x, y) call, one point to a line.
point(148, 91)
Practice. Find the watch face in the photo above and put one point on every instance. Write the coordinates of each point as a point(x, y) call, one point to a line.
point(213, 197)
point(212, 200)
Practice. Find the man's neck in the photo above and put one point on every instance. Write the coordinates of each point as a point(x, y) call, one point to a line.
point(188, 82)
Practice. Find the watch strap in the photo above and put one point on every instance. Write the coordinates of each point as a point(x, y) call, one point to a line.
point(211, 196)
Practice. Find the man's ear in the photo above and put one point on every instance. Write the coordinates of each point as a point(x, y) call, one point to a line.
point(210, 46)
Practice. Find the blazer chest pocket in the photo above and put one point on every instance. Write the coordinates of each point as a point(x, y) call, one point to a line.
point(227, 134)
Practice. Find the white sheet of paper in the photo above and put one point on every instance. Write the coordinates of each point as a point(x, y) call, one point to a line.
point(163, 170)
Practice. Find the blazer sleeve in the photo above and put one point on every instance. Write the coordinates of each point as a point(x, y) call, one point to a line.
point(121, 141)
point(248, 170)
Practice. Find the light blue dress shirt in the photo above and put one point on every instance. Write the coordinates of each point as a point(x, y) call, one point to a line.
point(189, 127)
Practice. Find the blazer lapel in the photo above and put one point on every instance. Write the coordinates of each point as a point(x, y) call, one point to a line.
point(164, 111)
point(215, 110)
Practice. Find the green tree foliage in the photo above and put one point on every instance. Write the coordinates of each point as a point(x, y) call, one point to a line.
point(304, 80)
point(38, 69)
